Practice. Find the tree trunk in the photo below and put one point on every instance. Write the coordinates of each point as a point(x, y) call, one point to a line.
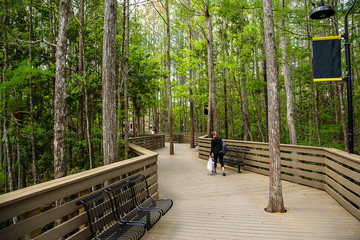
point(32, 135)
point(52, 28)
point(88, 127)
point(192, 140)
point(257, 98)
point(288, 88)
point(7, 150)
point(81, 73)
point(108, 83)
point(156, 119)
point(245, 106)
point(264, 70)
point(86, 96)
point(96, 41)
point(317, 116)
point(60, 92)
point(5, 114)
point(225, 70)
point(340, 92)
point(21, 175)
point(231, 115)
point(276, 202)
point(168, 64)
point(126, 79)
point(343, 116)
point(212, 116)
point(5, 66)
point(121, 74)
point(226, 121)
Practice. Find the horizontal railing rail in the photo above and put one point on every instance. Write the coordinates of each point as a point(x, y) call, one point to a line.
point(186, 136)
point(334, 171)
point(33, 212)
point(151, 142)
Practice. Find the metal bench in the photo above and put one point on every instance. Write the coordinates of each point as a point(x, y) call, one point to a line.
point(103, 222)
point(126, 208)
point(236, 156)
point(178, 138)
point(143, 198)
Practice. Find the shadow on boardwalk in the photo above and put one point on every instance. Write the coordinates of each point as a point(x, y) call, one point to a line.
point(232, 207)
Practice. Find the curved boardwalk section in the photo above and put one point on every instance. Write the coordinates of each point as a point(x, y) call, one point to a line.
point(232, 207)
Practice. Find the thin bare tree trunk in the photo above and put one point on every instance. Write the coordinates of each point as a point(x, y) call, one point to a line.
point(231, 114)
point(5, 114)
point(264, 70)
point(88, 127)
point(121, 74)
point(312, 100)
point(7, 150)
point(276, 202)
point(343, 115)
point(83, 100)
point(4, 119)
point(126, 79)
point(156, 118)
point(87, 114)
point(226, 121)
point(340, 92)
point(108, 83)
point(288, 88)
point(81, 73)
point(168, 64)
point(225, 70)
point(212, 116)
point(21, 177)
point(32, 135)
point(96, 40)
point(245, 106)
point(256, 97)
point(192, 140)
point(52, 21)
point(317, 116)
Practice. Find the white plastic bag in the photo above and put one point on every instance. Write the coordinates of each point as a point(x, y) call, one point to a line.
point(210, 165)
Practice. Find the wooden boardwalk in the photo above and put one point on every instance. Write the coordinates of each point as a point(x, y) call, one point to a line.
point(232, 207)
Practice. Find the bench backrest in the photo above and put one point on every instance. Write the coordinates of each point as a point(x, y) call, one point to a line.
point(100, 212)
point(237, 153)
point(141, 190)
point(124, 200)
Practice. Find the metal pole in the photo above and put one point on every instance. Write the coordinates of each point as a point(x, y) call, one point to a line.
point(348, 78)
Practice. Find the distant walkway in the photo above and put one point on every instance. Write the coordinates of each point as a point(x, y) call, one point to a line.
point(232, 207)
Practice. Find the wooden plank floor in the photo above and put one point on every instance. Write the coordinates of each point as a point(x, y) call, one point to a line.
point(232, 207)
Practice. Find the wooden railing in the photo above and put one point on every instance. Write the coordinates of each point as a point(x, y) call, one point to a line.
point(186, 136)
point(334, 171)
point(35, 211)
point(149, 142)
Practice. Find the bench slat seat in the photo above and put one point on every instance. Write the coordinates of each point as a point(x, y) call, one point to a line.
point(102, 222)
point(126, 208)
point(236, 156)
point(122, 232)
point(144, 200)
point(238, 163)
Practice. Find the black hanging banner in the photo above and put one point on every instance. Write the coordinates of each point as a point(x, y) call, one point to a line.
point(327, 58)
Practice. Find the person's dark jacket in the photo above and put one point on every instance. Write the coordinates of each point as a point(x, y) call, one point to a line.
point(216, 146)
